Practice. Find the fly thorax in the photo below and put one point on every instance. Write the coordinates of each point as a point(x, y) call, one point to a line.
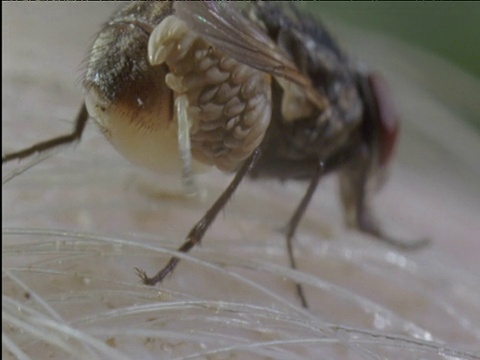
point(295, 103)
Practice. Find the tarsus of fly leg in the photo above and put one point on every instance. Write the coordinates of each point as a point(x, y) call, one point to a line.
point(198, 231)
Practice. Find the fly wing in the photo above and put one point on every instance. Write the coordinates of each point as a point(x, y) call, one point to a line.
point(229, 30)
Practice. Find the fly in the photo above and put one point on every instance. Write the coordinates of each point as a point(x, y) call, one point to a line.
point(261, 91)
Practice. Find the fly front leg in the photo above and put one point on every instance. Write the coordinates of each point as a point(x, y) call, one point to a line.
point(198, 231)
point(357, 208)
point(80, 123)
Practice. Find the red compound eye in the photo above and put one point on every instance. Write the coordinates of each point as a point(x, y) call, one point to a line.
point(387, 121)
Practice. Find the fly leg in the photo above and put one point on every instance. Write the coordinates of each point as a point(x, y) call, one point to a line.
point(198, 231)
point(358, 212)
point(80, 122)
point(292, 225)
point(323, 167)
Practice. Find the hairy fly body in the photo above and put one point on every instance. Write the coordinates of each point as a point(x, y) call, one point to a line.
point(261, 91)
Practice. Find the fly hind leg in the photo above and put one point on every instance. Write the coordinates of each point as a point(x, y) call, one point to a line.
point(43, 146)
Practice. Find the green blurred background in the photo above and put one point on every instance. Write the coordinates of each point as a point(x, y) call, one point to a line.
point(449, 29)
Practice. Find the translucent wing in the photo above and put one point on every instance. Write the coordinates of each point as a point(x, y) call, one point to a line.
point(228, 29)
